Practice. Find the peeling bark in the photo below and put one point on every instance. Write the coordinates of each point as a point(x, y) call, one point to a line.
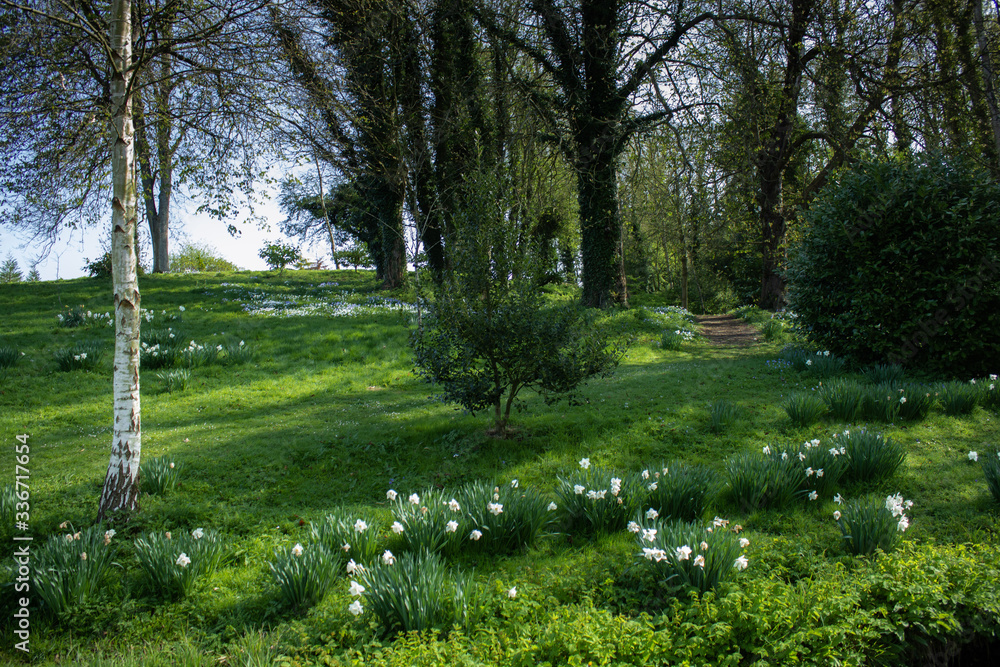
point(121, 489)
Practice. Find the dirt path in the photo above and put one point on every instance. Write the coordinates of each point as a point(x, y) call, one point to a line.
point(728, 331)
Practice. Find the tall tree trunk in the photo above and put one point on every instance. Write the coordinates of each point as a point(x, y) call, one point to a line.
point(989, 81)
point(326, 216)
point(121, 488)
point(772, 223)
point(600, 233)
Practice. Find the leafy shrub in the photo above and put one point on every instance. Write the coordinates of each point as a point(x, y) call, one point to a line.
point(678, 491)
point(102, 267)
point(304, 574)
point(764, 479)
point(504, 517)
point(990, 461)
point(871, 457)
point(804, 409)
point(71, 568)
point(593, 499)
point(279, 255)
point(488, 334)
point(158, 475)
point(84, 356)
point(958, 398)
point(723, 415)
point(898, 261)
point(842, 398)
point(192, 257)
point(890, 374)
point(174, 564)
point(415, 592)
point(868, 524)
point(691, 555)
point(345, 536)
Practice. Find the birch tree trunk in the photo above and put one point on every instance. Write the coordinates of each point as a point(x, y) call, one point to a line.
point(121, 489)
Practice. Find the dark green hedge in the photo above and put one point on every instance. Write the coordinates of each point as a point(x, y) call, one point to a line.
point(899, 261)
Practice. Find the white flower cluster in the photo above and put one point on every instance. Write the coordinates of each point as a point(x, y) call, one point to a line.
point(897, 505)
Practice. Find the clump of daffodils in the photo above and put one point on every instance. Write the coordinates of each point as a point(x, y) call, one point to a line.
point(872, 524)
point(691, 554)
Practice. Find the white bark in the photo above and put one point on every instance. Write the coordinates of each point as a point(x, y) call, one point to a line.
point(121, 490)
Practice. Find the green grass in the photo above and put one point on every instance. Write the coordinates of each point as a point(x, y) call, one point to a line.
point(326, 413)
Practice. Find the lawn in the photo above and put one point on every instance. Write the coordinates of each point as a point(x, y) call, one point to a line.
point(300, 400)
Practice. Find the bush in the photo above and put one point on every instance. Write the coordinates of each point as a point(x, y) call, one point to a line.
point(279, 255)
point(71, 568)
point(898, 261)
point(102, 268)
point(488, 334)
point(192, 257)
point(304, 574)
point(869, 524)
point(804, 409)
point(174, 564)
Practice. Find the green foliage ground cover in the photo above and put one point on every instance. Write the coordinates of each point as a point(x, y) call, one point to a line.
point(326, 413)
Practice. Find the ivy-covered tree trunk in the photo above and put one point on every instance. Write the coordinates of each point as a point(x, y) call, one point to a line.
point(600, 233)
point(121, 488)
point(772, 225)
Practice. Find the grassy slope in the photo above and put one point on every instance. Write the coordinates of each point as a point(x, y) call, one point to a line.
point(330, 413)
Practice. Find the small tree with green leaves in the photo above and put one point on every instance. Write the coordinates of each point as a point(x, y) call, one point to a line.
point(10, 272)
point(489, 334)
point(279, 255)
